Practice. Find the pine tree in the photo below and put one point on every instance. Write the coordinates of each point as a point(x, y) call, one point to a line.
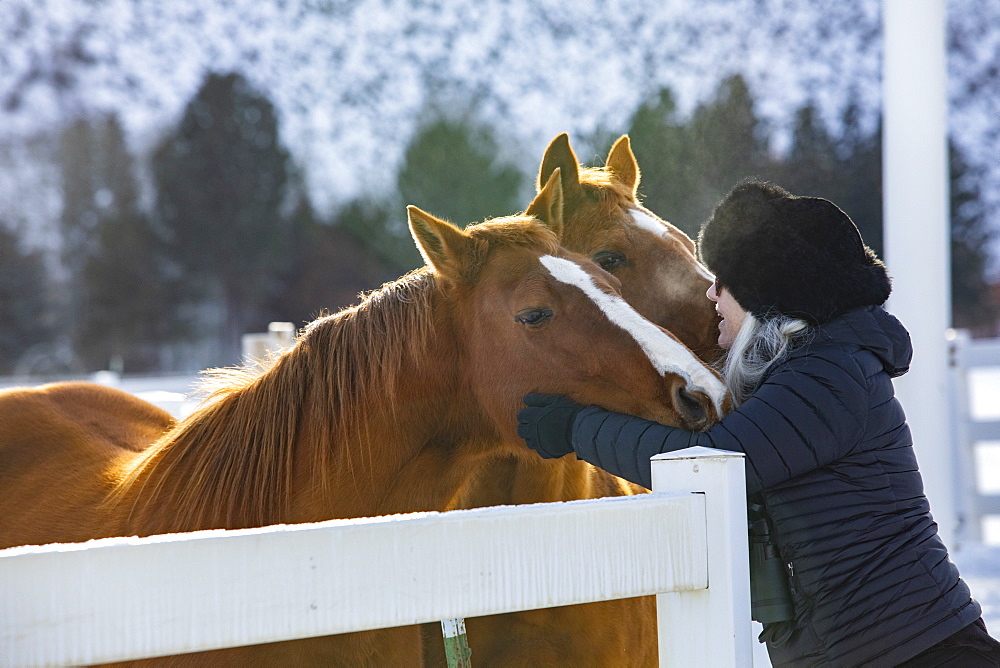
point(24, 303)
point(127, 287)
point(688, 167)
point(971, 237)
point(820, 165)
point(664, 148)
point(333, 266)
point(729, 144)
point(451, 169)
point(79, 165)
point(222, 182)
point(114, 294)
point(812, 167)
point(860, 160)
point(384, 235)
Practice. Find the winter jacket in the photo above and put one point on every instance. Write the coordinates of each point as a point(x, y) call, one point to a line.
point(828, 448)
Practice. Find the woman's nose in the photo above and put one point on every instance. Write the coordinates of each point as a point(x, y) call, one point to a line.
point(710, 293)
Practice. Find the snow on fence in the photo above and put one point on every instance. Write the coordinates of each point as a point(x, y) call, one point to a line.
point(965, 355)
point(125, 598)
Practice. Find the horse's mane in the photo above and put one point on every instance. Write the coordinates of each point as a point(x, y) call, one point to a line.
point(237, 451)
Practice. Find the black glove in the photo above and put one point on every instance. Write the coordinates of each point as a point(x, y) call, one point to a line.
point(546, 425)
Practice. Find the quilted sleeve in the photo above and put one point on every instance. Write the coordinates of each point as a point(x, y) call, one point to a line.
point(810, 412)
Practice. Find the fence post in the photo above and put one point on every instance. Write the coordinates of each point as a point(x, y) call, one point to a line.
point(709, 627)
point(257, 346)
point(968, 529)
point(456, 644)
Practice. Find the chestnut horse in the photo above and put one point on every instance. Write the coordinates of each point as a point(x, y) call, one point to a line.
point(662, 279)
point(382, 408)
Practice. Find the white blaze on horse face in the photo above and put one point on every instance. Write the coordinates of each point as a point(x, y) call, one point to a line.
point(651, 224)
point(648, 222)
point(666, 354)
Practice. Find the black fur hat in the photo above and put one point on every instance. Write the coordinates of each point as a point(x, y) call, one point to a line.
point(800, 256)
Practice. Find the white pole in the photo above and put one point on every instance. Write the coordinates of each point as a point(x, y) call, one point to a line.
point(724, 640)
point(917, 233)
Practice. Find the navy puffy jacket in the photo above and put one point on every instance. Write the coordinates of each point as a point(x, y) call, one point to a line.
point(827, 445)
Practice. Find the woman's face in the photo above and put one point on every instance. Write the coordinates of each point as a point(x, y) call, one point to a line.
point(731, 312)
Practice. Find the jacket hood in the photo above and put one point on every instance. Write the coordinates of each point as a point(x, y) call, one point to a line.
point(874, 329)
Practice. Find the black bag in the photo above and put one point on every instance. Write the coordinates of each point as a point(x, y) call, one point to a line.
point(770, 592)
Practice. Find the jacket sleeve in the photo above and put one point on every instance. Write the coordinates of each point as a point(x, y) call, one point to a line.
point(810, 412)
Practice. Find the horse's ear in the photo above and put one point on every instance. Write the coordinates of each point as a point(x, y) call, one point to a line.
point(444, 246)
point(548, 204)
point(559, 156)
point(622, 163)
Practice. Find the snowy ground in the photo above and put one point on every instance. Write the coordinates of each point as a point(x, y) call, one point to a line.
point(979, 564)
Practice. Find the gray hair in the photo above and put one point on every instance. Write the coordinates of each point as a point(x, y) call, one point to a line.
point(759, 343)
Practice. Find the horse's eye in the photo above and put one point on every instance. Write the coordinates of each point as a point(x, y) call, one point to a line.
point(609, 260)
point(533, 316)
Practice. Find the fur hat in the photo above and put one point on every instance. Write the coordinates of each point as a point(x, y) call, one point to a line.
point(800, 256)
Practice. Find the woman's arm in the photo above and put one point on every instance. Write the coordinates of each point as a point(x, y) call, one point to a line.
point(808, 413)
point(623, 444)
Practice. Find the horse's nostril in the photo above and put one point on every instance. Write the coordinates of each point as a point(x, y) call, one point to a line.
point(692, 409)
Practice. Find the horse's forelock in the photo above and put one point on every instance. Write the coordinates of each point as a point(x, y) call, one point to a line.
point(522, 231)
point(601, 183)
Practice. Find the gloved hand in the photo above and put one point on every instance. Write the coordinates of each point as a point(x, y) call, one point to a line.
point(546, 424)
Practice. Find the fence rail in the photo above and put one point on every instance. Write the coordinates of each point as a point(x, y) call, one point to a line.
point(967, 354)
point(125, 598)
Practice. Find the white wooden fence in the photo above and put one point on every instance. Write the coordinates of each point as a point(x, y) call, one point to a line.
point(123, 598)
point(972, 505)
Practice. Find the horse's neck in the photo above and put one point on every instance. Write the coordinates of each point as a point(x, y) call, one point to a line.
point(308, 441)
point(515, 480)
point(409, 459)
point(406, 452)
point(414, 449)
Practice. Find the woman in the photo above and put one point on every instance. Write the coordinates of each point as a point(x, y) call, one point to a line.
point(811, 355)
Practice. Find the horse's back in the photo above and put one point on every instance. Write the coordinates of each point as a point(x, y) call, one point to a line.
point(60, 445)
point(400, 646)
point(82, 414)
